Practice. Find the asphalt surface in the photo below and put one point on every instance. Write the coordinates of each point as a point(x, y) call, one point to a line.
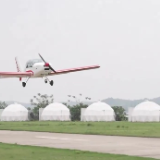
point(143, 147)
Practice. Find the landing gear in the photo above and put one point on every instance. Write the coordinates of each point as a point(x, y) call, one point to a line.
point(50, 82)
point(24, 83)
point(45, 81)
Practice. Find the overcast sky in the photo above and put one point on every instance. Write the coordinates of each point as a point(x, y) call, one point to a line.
point(121, 36)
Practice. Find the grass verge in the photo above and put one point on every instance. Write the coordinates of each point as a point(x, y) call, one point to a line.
point(18, 152)
point(95, 128)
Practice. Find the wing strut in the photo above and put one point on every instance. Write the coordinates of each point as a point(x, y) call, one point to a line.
point(18, 68)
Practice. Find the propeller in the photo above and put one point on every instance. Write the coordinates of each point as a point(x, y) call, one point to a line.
point(47, 64)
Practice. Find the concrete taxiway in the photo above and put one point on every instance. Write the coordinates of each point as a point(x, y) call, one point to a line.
point(143, 147)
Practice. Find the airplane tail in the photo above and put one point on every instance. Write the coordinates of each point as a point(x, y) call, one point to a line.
point(18, 68)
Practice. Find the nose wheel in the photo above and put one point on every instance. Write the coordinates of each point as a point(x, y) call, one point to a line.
point(23, 84)
point(50, 82)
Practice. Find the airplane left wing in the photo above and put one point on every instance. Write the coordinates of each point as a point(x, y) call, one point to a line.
point(64, 71)
point(15, 74)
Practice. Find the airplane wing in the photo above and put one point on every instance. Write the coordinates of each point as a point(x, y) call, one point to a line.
point(64, 71)
point(15, 74)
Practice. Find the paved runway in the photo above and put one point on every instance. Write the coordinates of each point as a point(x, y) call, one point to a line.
point(144, 147)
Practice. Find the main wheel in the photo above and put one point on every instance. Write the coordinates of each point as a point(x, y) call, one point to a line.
point(45, 81)
point(51, 82)
point(23, 84)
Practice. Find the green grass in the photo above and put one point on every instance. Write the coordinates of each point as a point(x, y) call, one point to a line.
point(97, 128)
point(18, 152)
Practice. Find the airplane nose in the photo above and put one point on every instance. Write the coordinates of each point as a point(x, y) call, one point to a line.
point(46, 65)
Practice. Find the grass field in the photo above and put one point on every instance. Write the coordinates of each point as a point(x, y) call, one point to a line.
point(18, 152)
point(97, 128)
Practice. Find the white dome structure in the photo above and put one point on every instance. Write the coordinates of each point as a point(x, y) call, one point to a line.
point(14, 112)
point(98, 111)
point(146, 112)
point(56, 112)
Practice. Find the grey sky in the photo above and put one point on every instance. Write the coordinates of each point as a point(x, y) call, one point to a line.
point(122, 36)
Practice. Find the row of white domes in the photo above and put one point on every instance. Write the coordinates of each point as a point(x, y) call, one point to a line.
point(57, 111)
point(99, 111)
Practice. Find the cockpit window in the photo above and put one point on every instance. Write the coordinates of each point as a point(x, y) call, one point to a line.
point(32, 62)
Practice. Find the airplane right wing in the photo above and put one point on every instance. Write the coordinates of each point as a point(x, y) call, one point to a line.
point(64, 71)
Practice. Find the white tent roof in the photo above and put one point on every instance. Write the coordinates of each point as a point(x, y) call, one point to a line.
point(146, 111)
point(147, 105)
point(98, 111)
point(14, 112)
point(55, 111)
point(14, 108)
point(56, 106)
point(99, 106)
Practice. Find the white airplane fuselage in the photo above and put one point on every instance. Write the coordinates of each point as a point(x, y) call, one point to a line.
point(39, 70)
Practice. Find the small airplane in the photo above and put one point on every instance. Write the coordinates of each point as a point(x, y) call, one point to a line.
point(39, 68)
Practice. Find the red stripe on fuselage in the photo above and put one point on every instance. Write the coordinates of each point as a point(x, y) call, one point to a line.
point(30, 71)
